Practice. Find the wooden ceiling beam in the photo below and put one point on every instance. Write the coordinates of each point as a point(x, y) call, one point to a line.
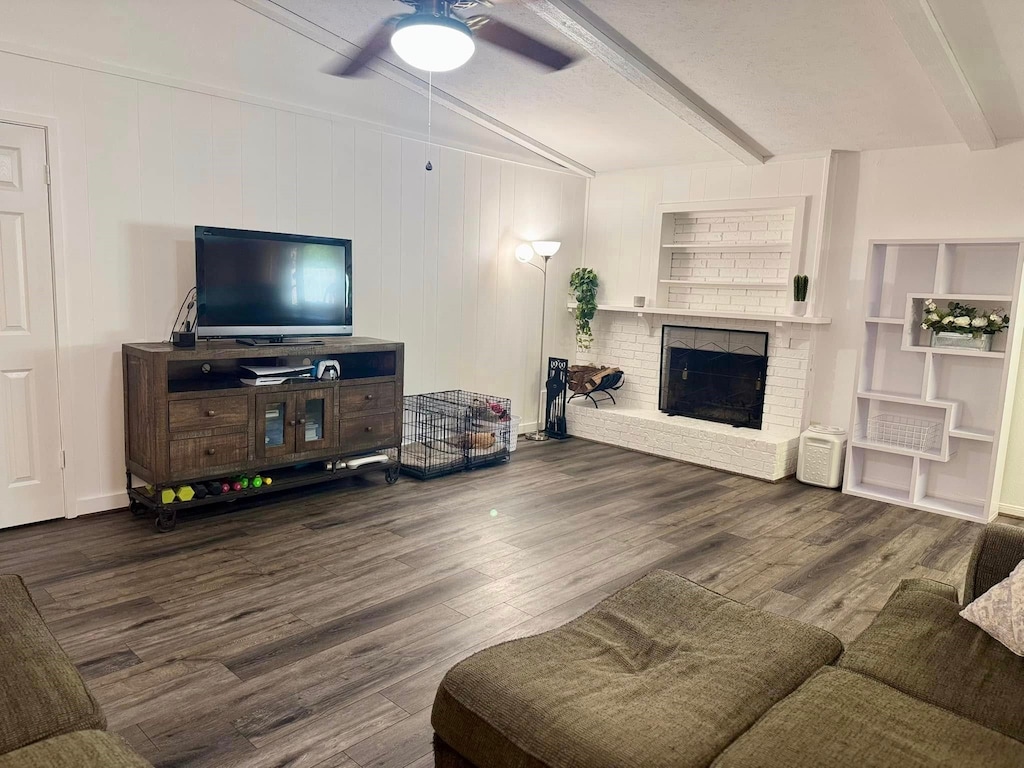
point(919, 27)
point(603, 42)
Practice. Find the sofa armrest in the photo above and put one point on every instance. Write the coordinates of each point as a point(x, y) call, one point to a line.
point(998, 550)
point(944, 591)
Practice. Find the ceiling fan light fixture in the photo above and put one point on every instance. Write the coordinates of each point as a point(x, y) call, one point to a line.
point(433, 43)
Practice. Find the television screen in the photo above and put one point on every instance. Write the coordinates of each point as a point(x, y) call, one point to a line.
point(260, 284)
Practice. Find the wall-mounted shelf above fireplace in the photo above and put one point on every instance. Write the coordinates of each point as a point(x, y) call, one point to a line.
point(778, 319)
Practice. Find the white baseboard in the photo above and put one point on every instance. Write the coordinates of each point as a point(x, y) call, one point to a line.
point(93, 504)
point(1011, 510)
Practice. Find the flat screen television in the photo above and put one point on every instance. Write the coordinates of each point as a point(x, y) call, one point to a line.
point(265, 285)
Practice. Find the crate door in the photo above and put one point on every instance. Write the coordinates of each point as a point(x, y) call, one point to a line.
point(314, 416)
point(275, 425)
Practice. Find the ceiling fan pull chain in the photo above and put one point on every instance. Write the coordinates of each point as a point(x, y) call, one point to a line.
point(430, 117)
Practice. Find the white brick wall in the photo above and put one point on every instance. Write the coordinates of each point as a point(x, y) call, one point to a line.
point(760, 228)
point(764, 455)
point(622, 339)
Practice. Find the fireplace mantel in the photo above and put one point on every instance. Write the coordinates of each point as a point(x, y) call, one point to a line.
point(778, 319)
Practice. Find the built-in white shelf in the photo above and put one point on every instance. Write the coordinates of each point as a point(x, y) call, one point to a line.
point(968, 391)
point(982, 435)
point(994, 354)
point(774, 249)
point(729, 247)
point(767, 286)
point(707, 313)
point(877, 492)
point(935, 454)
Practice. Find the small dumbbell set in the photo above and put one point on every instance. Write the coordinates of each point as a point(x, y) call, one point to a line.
point(166, 502)
point(200, 491)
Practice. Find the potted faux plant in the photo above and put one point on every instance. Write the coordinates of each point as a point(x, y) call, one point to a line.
point(963, 326)
point(800, 285)
point(583, 285)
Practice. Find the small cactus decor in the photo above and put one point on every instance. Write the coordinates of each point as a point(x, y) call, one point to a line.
point(800, 285)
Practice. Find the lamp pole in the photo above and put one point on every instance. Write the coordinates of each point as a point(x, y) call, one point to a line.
point(525, 253)
point(541, 432)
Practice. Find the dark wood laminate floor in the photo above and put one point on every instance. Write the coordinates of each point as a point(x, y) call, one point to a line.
point(314, 631)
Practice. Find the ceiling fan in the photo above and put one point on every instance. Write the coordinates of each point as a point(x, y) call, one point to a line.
point(435, 38)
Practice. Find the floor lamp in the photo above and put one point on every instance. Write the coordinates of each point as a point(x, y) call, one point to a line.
point(524, 253)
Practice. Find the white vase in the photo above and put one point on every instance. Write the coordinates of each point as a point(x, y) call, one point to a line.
point(798, 308)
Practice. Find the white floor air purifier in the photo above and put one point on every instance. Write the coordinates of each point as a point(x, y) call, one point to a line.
point(820, 460)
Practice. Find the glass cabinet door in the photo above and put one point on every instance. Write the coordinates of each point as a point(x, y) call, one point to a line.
point(314, 429)
point(275, 423)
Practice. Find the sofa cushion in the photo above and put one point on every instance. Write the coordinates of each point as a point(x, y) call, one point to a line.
point(82, 749)
point(663, 673)
point(1000, 611)
point(840, 719)
point(920, 645)
point(41, 692)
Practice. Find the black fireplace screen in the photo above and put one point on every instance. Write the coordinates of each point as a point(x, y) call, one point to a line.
point(715, 375)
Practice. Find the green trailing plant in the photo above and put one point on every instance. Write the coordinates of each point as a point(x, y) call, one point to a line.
point(583, 285)
point(800, 285)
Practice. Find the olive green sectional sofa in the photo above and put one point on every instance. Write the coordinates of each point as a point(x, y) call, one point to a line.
point(48, 718)
point(667, 674)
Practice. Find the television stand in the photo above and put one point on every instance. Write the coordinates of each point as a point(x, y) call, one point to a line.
point(192, 427)
point(266, 341)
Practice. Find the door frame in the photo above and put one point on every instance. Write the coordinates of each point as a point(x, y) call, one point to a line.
point(58, 267)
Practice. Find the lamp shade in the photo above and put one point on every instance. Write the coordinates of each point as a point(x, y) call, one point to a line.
point(546, 248)
point(433, 43)
point(524, 252)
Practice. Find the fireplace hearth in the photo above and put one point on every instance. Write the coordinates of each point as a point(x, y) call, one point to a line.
point(714, 374)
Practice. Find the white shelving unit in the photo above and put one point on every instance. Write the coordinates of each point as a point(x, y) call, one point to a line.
point(903, 379)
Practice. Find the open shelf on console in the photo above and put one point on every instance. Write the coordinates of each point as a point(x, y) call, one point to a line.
point(215, 373)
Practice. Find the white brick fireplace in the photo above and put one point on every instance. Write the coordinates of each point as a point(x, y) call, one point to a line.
point(634, 344)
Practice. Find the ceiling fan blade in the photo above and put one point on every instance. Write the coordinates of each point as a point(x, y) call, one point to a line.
point(516, 41)
point(377, 43)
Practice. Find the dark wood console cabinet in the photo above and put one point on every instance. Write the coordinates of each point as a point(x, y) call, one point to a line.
point(189, 418)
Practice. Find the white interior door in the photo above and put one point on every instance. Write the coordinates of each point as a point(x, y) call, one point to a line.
point(31, 482)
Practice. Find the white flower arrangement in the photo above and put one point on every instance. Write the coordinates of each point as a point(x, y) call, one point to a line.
point(961, 318)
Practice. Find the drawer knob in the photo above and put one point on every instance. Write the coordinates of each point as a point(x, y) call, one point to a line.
point(210, 451)
point(291, 423)
point(302, 421)
point(369, 397)
point(369, 429)
point(211, 413)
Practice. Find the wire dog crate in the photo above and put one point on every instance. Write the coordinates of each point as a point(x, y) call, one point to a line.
point(446, 432)
point(904, 432)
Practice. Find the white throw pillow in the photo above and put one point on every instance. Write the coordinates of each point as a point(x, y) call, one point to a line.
point(1000, 611)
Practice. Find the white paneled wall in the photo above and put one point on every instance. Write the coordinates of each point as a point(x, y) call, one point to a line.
point(140, 164)
point(622, 234)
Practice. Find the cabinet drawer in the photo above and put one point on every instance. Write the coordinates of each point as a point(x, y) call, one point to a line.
point(367, 433)
point(193, 455)
point(367, 398)
point(207, 412)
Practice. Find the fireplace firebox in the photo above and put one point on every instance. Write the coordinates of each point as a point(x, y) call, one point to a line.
point(714, 374)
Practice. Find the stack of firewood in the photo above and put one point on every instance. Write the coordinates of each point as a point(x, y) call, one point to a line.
point(587, 378)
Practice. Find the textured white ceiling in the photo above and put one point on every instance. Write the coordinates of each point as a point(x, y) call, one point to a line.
point(987, 37)
point(586, 111)
point(796, 75)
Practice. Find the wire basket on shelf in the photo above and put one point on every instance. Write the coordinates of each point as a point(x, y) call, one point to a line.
point(904, 432)
point(445, 432)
